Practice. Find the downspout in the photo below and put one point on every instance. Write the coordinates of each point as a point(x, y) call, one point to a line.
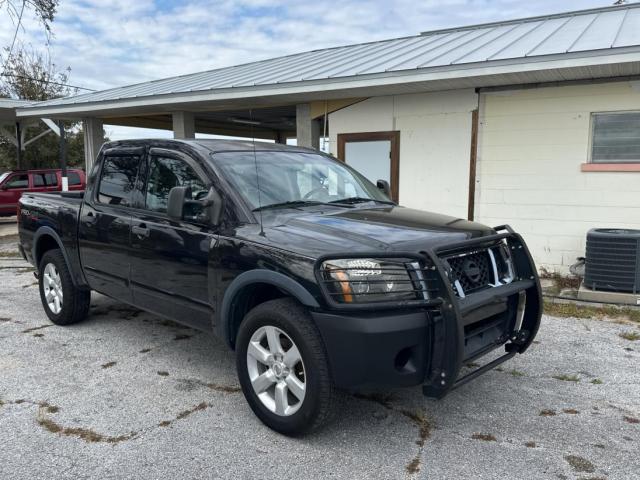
point(473, 160)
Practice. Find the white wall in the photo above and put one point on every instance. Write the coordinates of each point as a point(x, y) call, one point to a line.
point(532, 144)
point(435, 142)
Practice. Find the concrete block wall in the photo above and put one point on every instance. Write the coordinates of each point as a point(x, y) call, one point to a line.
point(532, 145)
point(435, 142)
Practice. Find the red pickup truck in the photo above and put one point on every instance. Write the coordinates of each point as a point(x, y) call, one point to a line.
point(14, 183)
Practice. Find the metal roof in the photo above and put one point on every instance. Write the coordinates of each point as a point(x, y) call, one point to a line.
point(525, 45)
point(8, 108)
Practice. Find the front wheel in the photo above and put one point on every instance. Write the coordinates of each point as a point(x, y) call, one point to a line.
point(63, 302)
point(283, 368)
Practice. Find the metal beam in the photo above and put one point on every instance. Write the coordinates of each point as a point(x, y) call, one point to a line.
point(19, 138)
point(93, 140)
point(52, 125)
point(307, 129)
point(37, 137)
point(184, 125)
point(63, 157)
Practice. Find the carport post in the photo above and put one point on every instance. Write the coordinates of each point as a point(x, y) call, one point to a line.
point(63, 157)
point(280, 137)
point(93, 140)
point(184, 125)
point(19, 146)
point(307, 129)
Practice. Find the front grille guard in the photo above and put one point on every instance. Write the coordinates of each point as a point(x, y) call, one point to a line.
point(447, 328)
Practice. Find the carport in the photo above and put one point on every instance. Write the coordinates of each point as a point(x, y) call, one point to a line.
point(290, 96)
point(276, 120)
point(15, 130)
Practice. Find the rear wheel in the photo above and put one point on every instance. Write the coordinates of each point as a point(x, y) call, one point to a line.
point(283, 369)
point(63, 303)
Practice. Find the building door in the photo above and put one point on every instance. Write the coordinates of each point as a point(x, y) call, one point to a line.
point(374, 154)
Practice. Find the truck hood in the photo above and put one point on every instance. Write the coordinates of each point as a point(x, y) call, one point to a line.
point(314, 233)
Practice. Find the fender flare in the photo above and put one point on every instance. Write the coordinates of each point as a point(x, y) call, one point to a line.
point(283, 282)
point(42, 231)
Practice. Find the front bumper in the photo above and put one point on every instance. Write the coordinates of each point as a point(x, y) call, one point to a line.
point(430, 345)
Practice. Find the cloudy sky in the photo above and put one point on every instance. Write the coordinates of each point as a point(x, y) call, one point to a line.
point(108, 43)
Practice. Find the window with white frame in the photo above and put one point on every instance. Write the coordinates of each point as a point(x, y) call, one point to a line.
point(615, 137)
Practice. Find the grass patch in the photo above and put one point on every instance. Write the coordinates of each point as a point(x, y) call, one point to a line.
point(414, 466)
point(85, 434)
point(567, 378)
point(573, 310)
point(530, 444)
point(631, 336)
point(486, 437)
point(547, 413)
point(182, 337)
point(580, 464)
point(10, 254)
point(424, 426)
point(559, 282)
point(632, 420)
point(33, 329)
point(596, 381)
point(162, 373)
point(515, 373)
point(108, 365)
point(570, 411)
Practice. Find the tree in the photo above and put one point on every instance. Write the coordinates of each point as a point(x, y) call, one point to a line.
point(31, 75)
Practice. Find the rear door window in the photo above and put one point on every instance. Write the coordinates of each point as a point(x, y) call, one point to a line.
point(51, 179)
point(118, 179)
point(38, 179)
point(18, 181)
point(42, 179)
point(74, 179)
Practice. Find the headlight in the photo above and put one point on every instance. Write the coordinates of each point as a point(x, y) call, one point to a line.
point(369, 280)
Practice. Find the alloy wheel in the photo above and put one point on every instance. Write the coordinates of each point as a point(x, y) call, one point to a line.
point(52, 288)
point(276, 370)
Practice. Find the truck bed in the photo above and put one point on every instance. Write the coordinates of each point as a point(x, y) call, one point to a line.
point(57, 214)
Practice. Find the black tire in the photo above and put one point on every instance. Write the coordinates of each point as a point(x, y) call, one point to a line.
point(294, 320)
point(75, 302)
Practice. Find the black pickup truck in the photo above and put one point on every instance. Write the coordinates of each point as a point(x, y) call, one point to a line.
point(297, 262)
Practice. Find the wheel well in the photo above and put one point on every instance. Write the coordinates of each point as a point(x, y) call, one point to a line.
point(45, 243)
point(247, 299)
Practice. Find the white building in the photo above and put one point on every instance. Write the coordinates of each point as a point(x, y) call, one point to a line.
point(533, 122)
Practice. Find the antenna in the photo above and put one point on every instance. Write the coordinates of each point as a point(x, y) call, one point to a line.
point(255, 162)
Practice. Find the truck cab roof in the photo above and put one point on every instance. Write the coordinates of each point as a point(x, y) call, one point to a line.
point(212, 145)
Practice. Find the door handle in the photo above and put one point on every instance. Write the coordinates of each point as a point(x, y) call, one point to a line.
point(91, 217)
point(140, 230)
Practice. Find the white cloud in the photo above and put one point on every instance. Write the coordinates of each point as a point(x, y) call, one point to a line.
point(119, 42)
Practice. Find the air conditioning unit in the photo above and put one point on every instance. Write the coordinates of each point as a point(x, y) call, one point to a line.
point(613, 260)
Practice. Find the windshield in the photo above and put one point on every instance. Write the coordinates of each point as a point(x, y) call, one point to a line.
point(296, 178)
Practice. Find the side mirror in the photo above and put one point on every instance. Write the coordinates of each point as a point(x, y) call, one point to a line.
point(384, 186)
point(207, 209)
point(175, 203)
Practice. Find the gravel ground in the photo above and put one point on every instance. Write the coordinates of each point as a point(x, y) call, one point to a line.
point(128, 395)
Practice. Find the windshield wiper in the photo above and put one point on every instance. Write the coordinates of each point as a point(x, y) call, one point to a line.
point(298, 203)
point(351, 200)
